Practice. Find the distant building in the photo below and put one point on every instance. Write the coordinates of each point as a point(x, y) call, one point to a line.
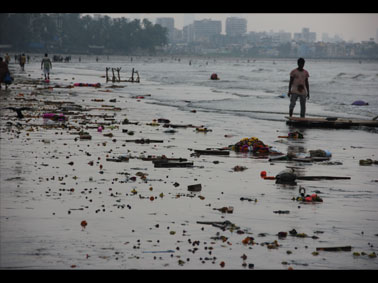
point(169, 24)
point(203, 30)
point(236, 26)
point(305, 36)
point(283, 37)
point(187, 33)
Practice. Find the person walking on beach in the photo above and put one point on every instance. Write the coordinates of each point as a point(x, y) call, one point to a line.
point(3, 72)
point(46, 64)
point(299, 88)
point(7, 58)
point(22, 61)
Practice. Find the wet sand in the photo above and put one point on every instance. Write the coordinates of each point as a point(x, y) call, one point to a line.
point(142, 217)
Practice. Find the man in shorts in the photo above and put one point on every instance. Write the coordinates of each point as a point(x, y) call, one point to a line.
point(299, 88)
point(46, 64)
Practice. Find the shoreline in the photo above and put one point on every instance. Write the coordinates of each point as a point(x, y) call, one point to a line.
point(142, 217)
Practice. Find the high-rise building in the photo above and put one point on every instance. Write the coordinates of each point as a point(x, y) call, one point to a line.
point(169, 24)
point(305, 36)
point(203, 30)
point(236, 26)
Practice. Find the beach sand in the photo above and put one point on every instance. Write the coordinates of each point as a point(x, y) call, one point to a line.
point(141, 217)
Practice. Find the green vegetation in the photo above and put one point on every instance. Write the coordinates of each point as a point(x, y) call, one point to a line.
point(73, 33)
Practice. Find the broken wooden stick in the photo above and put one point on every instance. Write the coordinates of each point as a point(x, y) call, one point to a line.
point(335, 249)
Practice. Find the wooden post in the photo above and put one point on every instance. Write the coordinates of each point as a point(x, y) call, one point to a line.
point(119, 78)
point(107, 77)
point(114, 78)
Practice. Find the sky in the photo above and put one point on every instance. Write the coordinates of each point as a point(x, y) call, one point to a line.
point(350, 26)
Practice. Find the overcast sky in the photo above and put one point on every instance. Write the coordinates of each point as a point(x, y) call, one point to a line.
point(349, 26)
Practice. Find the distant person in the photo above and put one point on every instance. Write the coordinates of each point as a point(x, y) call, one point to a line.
point(22, 61)
point(7, 58)
point(299, 88)
point(46, 64)
point(3, 72)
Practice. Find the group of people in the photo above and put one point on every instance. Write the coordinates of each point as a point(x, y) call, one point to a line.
point(5, 77)
point(298, 84)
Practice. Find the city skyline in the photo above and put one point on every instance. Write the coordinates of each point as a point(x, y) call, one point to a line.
point(351, 27)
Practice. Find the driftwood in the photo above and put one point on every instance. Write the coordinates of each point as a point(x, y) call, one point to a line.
point(313, 178)
point(143, 141)
point(335, 249)
point(171, 164)
point(195, 188)
point(211, 152)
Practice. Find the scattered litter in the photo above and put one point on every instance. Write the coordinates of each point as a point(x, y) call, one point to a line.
point(225, 209)
point(335, 249)
point(365, 162)
point(195, 188)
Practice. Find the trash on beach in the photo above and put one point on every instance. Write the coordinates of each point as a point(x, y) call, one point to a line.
point(222, 225)
point(54, 116)
point(320, 153)
point(156, 252)
point(239, 168)
point(365, 162)
point(145, 141)
point(360, 103)
point(195, 188)
point(211, 152)
point(307, 198)
point(83, 224)
point(121, 158)
point(203, 130)
point(255, 146)
point(85, 136)
point(225, 209)
point(281, 211)
point(165, 163)
point(293, 135)
point(286, 176)
point(88, 84)
point(335, 249)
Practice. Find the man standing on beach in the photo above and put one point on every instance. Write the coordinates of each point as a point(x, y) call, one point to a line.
point(3, 72)
point(22, 61)
point(299, 88)
point(46, 63)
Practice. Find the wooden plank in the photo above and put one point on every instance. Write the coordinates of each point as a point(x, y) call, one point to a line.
point(311, 178)
point(332, 122)
point(335, 249)
point(212, 152)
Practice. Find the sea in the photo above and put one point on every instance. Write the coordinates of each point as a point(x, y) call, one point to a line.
point(254, 88)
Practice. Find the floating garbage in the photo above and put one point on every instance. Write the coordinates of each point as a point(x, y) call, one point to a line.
point(307, 198)
point(293, 135)
point(87, 84)
point(286, 176)
point(365, 162)
point(335, 249)
point(195, 188)
point(255, 146)
point(360, 103)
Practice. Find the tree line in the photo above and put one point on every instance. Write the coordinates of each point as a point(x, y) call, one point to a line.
point(74, 33)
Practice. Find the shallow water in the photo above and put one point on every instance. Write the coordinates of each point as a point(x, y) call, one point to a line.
point(41, 216)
